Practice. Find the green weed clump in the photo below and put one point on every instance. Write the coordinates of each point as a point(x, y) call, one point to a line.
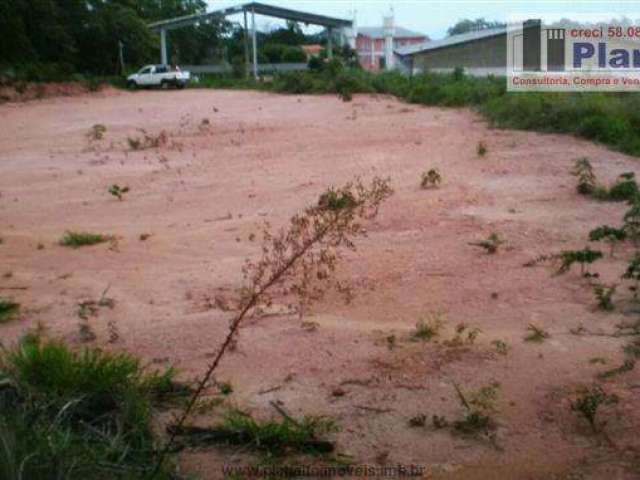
point(584, 257)
point(608, 118)
point(336, 200)
point(431, 178)
point(81, 239)
point(272, 437)
point(608, 234)
point(75, 414)
point(588, 404)
point(428, 328)
point(8, 310)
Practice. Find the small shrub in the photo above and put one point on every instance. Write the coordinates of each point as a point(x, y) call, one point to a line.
point(336, 200)
point(586, 178)
point(225, 388)
point(501, 346)
point(631, 219)
point(463, 336)
point(8, 310)
point(536, 334)
point(627, 366)
point(419, 420)
point(148, 140)
point(604, 296)
point(272, 437)
point(480, 405)
point(430, 179)
point(588, 403)
point(97, 132)
point(81, 239)
point(481, 149)
point(608, 234)
point(427, 329)
point(633, 272)
point(118, 191)
point(491, 244)
point(624, 189)
point(584, 257)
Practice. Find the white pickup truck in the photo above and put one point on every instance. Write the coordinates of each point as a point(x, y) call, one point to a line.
point(158, 76)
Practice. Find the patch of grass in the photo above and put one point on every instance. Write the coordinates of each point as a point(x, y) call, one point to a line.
point(584, 257)
point(625, 188)
point(627, 366)
point(608, 234)
point(273, 437)
point(501, 346)
point(604, 296)
point(8, 310)
point(419, 420)
point(481, 149)
point(225, 388)
point(118, 191)
point(597, 360)
point(336, 200)
point(97, 132)
point(463, 336)
point(588, 403)
point(428, 328)
point(480, 405)
point(148, 140)
point(491, 244)
point(431, 178)
point(81, 239)
point(75, 414)
point(583, 170)
point(536, 334)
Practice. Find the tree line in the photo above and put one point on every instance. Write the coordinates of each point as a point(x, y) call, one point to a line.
point(56, 38)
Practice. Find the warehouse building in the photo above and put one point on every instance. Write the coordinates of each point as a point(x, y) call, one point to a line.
point(480, 53)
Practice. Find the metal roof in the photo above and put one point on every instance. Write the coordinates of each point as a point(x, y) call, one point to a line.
point(452, 40)
point(378, 32)
point(260, 9)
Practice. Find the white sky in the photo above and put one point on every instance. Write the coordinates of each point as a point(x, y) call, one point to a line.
point(433, 17)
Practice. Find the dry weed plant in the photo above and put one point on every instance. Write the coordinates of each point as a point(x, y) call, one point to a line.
point(295, 260)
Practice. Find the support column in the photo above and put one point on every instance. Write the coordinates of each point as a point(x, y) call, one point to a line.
point(330, 43)
point(246, 46)
point(389, 33)
point(254, 41)
point(163, 46)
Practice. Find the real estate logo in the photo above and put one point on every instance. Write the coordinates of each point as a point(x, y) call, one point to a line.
point(573, 55)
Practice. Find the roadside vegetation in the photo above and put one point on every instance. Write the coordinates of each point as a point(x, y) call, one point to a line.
point(76, 414)
point(609, 118)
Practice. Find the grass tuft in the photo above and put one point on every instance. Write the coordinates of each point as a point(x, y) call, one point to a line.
point(81, 239)
point(8, 310)
point(428, 328)
point(75, 414)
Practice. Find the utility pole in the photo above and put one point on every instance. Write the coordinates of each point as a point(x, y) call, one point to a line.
point(255, 43)
point(246, 45)
point(121, 56)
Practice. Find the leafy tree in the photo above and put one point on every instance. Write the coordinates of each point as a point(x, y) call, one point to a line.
point(466, 25)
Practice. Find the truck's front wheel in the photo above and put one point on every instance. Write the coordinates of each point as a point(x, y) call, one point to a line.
point(131, 85)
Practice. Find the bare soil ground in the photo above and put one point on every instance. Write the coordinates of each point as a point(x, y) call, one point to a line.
point(264, 157)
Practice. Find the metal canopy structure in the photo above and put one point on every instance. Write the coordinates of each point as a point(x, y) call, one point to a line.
point(253, 8)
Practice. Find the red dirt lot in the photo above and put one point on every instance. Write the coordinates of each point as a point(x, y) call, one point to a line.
point(264, 157)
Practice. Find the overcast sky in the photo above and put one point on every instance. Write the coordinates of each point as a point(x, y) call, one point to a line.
point(434, 17)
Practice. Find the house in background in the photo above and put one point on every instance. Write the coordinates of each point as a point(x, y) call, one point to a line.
point(375, 45)
point(313, 50)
